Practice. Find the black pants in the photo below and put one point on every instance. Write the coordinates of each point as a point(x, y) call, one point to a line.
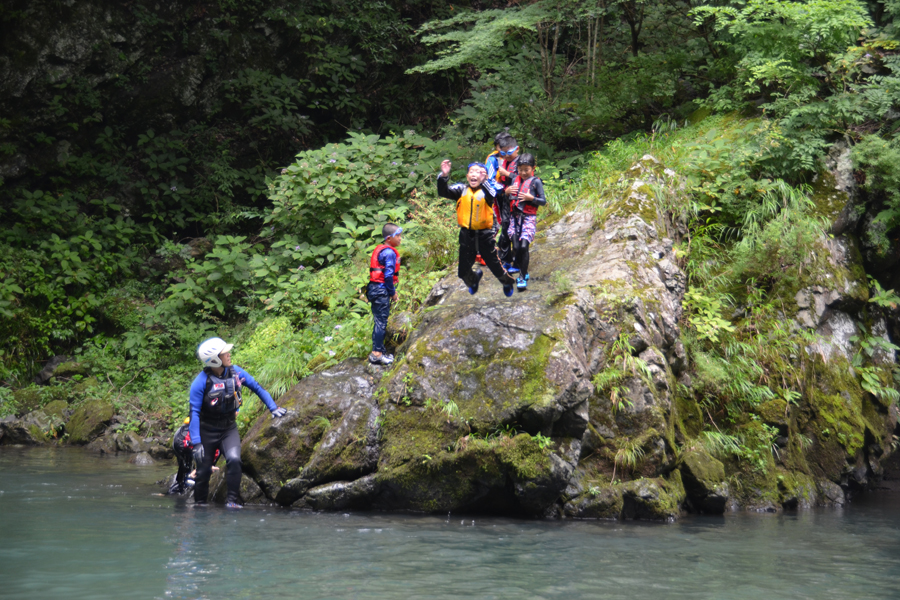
point(381, 310)
point(474, 242)
point(228, 440)
point(503, 242)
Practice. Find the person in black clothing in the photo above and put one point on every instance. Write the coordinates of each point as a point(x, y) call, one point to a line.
point(184, 452)
point(506, 174)
point(475, 215)
point(181, 444)
point(214, 398)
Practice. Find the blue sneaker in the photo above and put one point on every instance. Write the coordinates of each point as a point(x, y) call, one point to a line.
point(522, 284)
point(233, 505)
point(512, 270)
point(508, 290)
point(478, 275)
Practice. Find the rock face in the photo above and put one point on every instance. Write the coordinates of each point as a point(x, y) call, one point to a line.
point(492, 407)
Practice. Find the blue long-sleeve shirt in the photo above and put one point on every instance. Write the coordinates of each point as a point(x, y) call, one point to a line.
point(388, 259)
point(493, 163)
point(198, 388)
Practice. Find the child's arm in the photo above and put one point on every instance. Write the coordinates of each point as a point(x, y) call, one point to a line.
point(492, 165)
point(490, 192)
point(453, 192)
point(536, 196)
point(386, 258)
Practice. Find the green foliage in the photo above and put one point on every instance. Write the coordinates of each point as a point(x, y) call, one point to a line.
point(880, 160)
point(877, 380)
point(217, 282)
point(270, 102)
point(622, 365)
point(798, 58)
point(629, 456)
point(706, 314)
point(543, 441)
point(345, 191)
point(481, 35)
point(881, 297)
point(450, 409)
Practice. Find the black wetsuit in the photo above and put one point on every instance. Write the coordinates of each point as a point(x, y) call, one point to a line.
point(182, 446)
point(229, 441)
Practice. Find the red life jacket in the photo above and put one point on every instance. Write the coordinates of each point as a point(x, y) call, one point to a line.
point(376, 271)
point(513, 167)
point(518, 202)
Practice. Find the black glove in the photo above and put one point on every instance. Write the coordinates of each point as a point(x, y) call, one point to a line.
point(199, 454)
point(278, 412)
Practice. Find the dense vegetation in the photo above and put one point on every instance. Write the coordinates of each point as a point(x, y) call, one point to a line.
point(142, 213)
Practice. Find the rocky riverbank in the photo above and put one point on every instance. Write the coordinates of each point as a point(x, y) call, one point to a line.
point(572, 400)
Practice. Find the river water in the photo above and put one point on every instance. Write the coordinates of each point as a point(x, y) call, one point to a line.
point(74, 525)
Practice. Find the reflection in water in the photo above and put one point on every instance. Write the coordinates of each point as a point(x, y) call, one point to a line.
point(73, 525)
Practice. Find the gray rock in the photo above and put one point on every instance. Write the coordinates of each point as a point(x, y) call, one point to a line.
point(142, 459)
point(47, 372)
point(250, 492)
point(89, 420)
point(342, 495)
point(29, 430)
point(704, 481)
point(830, 493)
point(129, 441)
point(329, 432)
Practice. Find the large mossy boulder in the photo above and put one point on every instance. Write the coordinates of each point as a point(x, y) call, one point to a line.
point(89, 421)
point(328, 434)
point(491, 406)
point(704, 481)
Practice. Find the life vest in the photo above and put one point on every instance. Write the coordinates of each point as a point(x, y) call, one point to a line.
point(183, 437)
point(222, 397)
point(472, 210)
point(376, 271)
point(518, 203)
point(513, 167)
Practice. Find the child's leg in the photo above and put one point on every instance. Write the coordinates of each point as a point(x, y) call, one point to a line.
point(467, 253)
point(490, 255)
point(381, 308)
point(526, 226)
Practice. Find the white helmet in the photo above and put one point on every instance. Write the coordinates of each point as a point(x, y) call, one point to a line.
point(208, 352)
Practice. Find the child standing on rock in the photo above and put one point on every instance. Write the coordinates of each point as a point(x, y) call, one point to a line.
point(474, 213)
point(384, 269)
point(526, 194)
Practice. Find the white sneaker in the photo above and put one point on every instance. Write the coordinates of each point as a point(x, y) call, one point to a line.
point(384, 359)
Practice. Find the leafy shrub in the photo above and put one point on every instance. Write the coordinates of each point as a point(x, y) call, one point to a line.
point(880, 161)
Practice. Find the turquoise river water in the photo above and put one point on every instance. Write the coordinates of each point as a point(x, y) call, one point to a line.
point(74, 525)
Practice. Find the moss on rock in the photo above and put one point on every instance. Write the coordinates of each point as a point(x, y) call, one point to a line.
point(89, 420)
